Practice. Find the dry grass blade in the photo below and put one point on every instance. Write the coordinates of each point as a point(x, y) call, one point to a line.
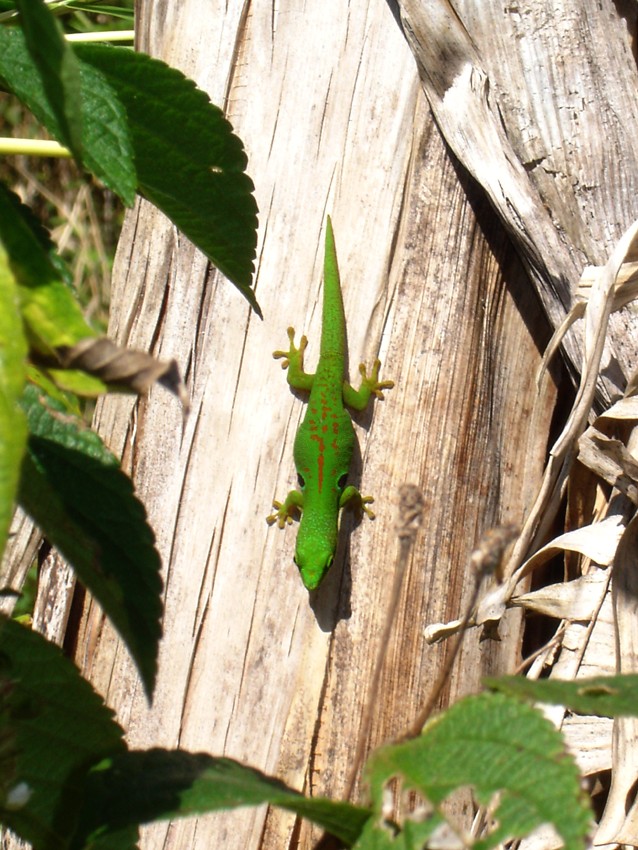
point(591, 638)
point(625, 291)
point(620, 818)
point(565, 450)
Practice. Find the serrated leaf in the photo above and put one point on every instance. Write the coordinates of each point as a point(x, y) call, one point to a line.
point(106, 147)
point(60, 338)
point(601, 696)
point(57, 68)
point(189, 162)
point(137, 787)
point(56, 727)
point(497, 746)
point(13, 430)
point(50, 312)
point(74, 489)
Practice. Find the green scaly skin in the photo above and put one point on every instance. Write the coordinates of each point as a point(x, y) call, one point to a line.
point(325, 441)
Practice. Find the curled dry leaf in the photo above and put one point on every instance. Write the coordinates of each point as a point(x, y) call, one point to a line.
point(573, 600)
point(625, 286)
point(624, 409)
point(605, 294)
point(563, 453)
point(609, 459)
point(123, 368)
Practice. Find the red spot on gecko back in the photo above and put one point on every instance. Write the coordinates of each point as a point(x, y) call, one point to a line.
point(320, 460)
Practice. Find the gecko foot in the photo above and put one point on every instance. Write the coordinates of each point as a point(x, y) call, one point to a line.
point(372, 381)
point(294, 354)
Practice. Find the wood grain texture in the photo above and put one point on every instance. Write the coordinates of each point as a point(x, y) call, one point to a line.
point(435, 280)
point(523, 96)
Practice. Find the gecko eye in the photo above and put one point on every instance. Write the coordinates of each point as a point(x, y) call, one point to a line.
point(341, 483)
point(300, 481)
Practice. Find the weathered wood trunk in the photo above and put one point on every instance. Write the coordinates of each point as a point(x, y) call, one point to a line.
point(443, 278)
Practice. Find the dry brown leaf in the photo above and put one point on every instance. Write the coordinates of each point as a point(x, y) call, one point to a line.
point(563, 453)
point(575, 600)
point(121, 367)
point(619, 820)
point(609, 459)
point(597, 541)
point(624, 409)
point(625, 287)
point(543, 838)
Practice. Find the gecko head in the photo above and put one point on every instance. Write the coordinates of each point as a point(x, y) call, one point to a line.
point(313, 562)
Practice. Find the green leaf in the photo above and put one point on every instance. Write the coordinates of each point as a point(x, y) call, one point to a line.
point(50, 312)
point(106, 148)
point(189, 162)
point(414, 835)
point(137, 787)
point(13, 430)
point(603, 696)
point(497, 746)
point(53, 728)
point(67, 400)
point(25, 603)
point(79, 383)
point(57, 68)
point(76, 492)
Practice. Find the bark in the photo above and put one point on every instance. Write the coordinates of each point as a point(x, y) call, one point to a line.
point(465, 204)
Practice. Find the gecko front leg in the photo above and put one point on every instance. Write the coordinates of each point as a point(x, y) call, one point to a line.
point(293, 361)
point(370, 385)
point(352, 498)
point(285, 512)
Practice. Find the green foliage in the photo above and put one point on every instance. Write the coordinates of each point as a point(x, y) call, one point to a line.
point(141, 125)
point(92, 17)
point(502, 749)
point(68, 482)
point(601, 696)
point(67, 780)
point(82, 15)
point(56, 68)
point(25, 603)
point(13, 349)
point(53, 727)
point(498, 747)
point(105, 107)
point(105, 142)
point(49, 312)
point(138, 787)
point(74, 489)
point(189, 163)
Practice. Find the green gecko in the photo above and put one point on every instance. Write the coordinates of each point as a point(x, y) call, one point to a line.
point(324, 443)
